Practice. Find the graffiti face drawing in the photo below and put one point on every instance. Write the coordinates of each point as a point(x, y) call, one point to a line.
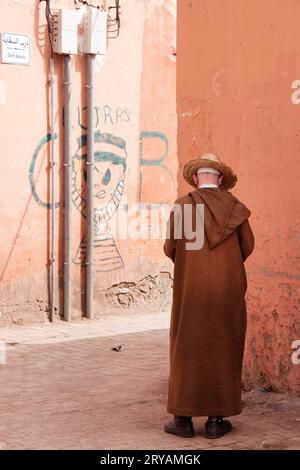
point(109, 174)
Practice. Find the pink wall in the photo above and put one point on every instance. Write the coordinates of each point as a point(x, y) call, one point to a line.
point(135, 110)
point(237, 61)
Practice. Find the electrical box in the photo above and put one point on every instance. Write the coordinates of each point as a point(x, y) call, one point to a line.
point(95, 32)
point(64, 32)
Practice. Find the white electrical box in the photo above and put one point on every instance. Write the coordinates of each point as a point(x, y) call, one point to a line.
point(95, 32)
point(64, 32)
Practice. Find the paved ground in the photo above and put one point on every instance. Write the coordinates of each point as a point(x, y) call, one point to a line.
point(63, 387)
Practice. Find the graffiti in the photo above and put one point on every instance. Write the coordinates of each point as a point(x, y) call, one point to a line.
point(110, 167)
point(104, 115)
point(109, 174)
point(32, 168)
point(153, 162)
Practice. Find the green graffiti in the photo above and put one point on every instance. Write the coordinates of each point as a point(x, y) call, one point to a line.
point(32, 182)
point(153, 162)
point(103, 115)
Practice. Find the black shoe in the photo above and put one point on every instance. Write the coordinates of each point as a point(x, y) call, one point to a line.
point(181, 426)
point(214, 429)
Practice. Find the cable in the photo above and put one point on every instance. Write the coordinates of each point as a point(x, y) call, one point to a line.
point(85, 2)
point(113, 24)
point(49, 17)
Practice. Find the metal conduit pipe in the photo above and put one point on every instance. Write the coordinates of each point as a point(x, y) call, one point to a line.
point(90, 186)
point(52, 254)
point(67, 188)
point(52, 198)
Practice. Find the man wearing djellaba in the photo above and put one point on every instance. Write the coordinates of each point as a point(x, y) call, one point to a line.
point(208, 320)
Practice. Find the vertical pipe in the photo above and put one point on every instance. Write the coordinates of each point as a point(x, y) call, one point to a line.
point(67, 188)
point(52, 197)
point(90, 185)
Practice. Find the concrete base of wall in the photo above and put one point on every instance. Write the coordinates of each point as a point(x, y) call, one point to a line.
point(152, 292)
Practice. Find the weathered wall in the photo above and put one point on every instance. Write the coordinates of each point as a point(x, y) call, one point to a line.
point(237, 61)
point(135, 116)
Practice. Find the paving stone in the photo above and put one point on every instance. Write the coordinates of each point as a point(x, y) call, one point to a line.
point(63, 387)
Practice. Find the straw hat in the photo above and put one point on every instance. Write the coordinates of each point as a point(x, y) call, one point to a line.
point(210, 160)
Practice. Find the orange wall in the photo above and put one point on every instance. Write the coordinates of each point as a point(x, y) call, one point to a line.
point(236, 63)
point(134, 102)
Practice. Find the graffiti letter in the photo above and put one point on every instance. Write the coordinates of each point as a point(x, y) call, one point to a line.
point(158, 162)
point(32, 181)
point(107, 114)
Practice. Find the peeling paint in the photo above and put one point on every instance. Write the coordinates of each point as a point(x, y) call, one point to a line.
point(149, 290)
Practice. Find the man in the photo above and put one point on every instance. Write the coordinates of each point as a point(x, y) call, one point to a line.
point(208, 322)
